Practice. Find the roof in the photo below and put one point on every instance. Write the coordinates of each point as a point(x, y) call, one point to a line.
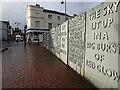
point(49, 11)
point(55, 12)
point(5, 21)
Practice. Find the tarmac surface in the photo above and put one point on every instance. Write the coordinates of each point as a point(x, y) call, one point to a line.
point(35, 67)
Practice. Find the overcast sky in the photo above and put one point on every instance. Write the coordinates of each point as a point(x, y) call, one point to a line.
point(15, 11)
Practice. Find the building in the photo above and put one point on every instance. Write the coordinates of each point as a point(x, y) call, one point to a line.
point(5, 30)
point(40, 20)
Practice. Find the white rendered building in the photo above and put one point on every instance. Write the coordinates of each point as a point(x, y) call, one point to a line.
point(5, 30)
point(40, 20)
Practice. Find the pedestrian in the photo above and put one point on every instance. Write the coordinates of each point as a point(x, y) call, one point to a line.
point(29, 40)
point(17, 41)
point(38, 41)
point(24, 39)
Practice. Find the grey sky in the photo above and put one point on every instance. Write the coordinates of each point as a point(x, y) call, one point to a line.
point(15, 11)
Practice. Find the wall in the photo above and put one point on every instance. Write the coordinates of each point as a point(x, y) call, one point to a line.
point(89, 44)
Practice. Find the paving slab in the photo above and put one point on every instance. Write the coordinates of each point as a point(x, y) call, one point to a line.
point(35, 67)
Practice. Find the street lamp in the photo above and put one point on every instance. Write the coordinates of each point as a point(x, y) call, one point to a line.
point(17, 23)
point(62, 2)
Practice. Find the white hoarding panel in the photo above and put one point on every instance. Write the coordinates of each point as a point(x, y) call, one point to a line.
point(102, 50)
point(52, 43)
point(57, 41)
point(63, 42)
point(77, 43)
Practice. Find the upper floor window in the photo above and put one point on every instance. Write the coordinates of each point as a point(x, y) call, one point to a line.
point(66, 18)
point(37, 13)
point(49, 25)
point(50, 16)
point(58, 17)
point(37, 24)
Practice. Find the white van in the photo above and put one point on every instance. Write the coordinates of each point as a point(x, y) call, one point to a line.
point(18, 37)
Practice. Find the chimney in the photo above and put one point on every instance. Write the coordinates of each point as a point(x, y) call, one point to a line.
point(37, 5)
point(74, 15)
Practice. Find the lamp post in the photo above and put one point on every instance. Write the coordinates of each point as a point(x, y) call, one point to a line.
point(62, 2)
point(24, 37)
point(17, 24)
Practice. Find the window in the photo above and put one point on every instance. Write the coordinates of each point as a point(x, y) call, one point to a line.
point(66, 18)
point(58, 17)
point(50, 16)
point(49, 25)
point(37, 24)
point(37, 13)
point(30, 34)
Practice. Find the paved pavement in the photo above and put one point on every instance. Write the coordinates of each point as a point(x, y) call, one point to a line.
point(4, 44)
point(35, 67)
